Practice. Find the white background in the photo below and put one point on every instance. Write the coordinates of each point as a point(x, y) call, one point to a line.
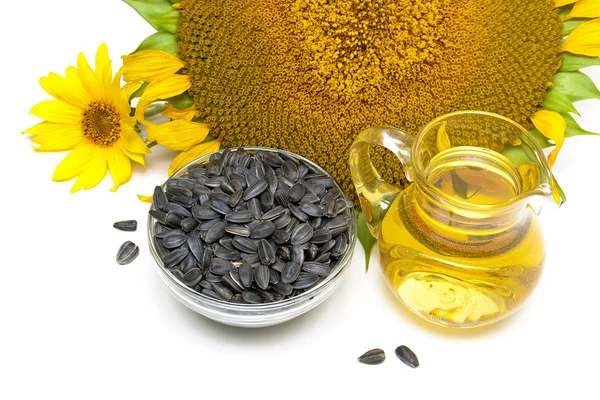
point(75, 325)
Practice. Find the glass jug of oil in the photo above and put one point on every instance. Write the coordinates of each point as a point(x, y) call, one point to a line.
point(461, 246)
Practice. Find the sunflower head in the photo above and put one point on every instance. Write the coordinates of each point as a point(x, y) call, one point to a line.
point(90, 116)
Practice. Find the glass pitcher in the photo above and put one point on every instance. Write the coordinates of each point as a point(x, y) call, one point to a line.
point(461, 245)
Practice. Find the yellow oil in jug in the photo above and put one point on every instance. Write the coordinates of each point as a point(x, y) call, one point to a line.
point(453, 269)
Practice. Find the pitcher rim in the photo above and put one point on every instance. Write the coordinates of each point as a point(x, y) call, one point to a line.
point(544, 188)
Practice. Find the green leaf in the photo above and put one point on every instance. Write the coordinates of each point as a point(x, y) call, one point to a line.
point(167, 21)
point(573, 128)
point(541, 139)
point(572, 24)
point(164, 41)
point(563, 196)
point(576, 85)
point(555, 100)
point(181, 101)
point(364, 236)
point(574, 62)
point(564, 11)
point(150, 9)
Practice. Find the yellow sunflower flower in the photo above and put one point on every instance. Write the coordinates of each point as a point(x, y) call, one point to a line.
point(307, 76)
point(90, 117)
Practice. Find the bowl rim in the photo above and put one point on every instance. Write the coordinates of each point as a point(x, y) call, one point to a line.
point(343, 262)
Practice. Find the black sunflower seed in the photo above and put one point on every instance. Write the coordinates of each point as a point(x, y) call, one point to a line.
point(175, 257)
point(273, 213)
point(305, 280)
point(280, 236)
point(372, 357)
point(196, 248)
point(302, 234)
point(220, 206)
point(266, 252)
point(127, 253)
point(261, 276)
point(173, 241)
point(215, 233)
point(298, 213)
point(222, 291)
point(312, 210)
point(127, 226)
point(251, 297)
point(255, 189)
point(284, 289)
point(246, 273)
point(316, 268)
point(188, 224)
point(321, 236)
point(290, 272)
point(262, 230)
point(204, 213)
point(221, 267)
point(239, 217)
point(255, 208)
point(192, 277)
point(296, 192)
point(159, 198)
point(407, 356)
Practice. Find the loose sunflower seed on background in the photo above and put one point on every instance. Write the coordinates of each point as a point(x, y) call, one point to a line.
point(407, 356)
point(372, 357)
point(251, 228)
point(127, 226)
point(127, 253)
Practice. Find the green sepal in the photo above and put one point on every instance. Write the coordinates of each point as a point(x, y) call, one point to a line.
point(168, 21)
point(575, 85)
point(563, 196)
point(164, 41)
point(181, 101)
point(150, 9)
point(364, 236)
point(554, 100)
point(541, 139)
point(138, 93)
point(574, 62)
point(564, 11)
point(573, 128)
point(155, 109)
point(572, 24)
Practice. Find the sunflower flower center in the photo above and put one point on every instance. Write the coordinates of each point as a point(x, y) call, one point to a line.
point(101, 123)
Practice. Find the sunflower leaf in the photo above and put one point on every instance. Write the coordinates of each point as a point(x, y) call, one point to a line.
point(559, 102)
point(364, 236)
point(575, 85)
point(541, 139)
point(181, 101)
point(139, 92)
point(164, 41)
point(574, 62)
point(573, 128)
point(150, 9)
point(167, 21)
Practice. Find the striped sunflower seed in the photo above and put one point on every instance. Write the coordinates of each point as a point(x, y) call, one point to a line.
point(246, 274)
point(215, 233)
point(302, 234)
point(266, 252)
point(222, 291)
point(290, 272)
point(251, 297)
point(262, 230)
point(175, 257)
point(127, 253)
point(192, 277)
point(261, 276)
point(220, 267)
point(305, 280)
point(174, 241)
point(312, 210)
point(407, 356)
point(372, 357)
point(255, 189)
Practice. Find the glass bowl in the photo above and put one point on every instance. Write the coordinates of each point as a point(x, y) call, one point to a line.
point(256, 315)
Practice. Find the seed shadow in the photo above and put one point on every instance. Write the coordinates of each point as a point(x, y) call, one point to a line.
point(441, 330)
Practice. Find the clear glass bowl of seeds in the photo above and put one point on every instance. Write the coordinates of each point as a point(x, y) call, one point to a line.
point(251, 236)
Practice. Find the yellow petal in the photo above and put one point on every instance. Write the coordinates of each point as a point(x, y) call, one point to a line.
point(119, 166)
point(74, 163)
point(88, 78)
point(552, 125)
point(144, 198)
point(138, 158)
point(174, 113)
point(130, 89)
point(133, 142)
point(560, 3)
point(57, 111)
point(585, 9)
point(68, 90)
point(92, 176)
point(584, 40)
point(57, 137)
point(103, 67)
point(160, 90)
point(150, 66)
point(186, 157)
point(443, 141)
point(178, 134)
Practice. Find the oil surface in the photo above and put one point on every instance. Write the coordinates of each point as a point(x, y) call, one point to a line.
point(453, 269)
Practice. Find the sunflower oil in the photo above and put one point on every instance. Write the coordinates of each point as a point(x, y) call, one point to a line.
point(467, 258)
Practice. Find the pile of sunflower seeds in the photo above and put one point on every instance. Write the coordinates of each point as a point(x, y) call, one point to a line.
point(251, 228)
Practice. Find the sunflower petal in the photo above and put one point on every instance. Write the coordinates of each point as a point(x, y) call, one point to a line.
point(133, 142)
point(174, 113)
point(560, 3)
point(144, 198)
point(150, 66)
point(68, 90)
point(585, 9)
point(185, 157)
point(443, 141)
point(88, 78)
point(119, 166)
point(92, 176)
point(169, 87)
point(57, 111)
point(552, 125)
point(57, 137)
point(178, 134)
point(103, 67)
point(74, 163)
point(584, 40)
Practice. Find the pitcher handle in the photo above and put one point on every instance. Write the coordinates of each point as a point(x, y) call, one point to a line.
point(374, 193)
